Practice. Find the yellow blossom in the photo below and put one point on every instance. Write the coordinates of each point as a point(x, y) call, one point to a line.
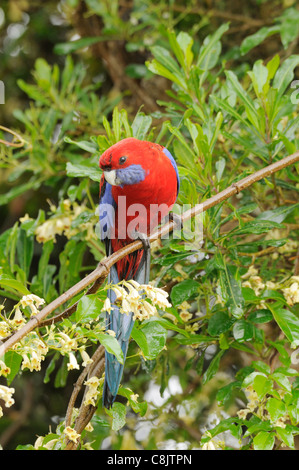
point(291, 293)
point(18, 319)
point(134, 397)
point(71, 434)
point(4, 369)
point(72, 364)
point(32, 301)
point(111, 333)
point(92, 392)
point(25, 218)
point(242, 414)
point(185, 316)
point(86, 359)
point(252, 271)
point(4, 329)
point(6, 395)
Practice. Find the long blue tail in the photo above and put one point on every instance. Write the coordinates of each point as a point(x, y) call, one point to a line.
point(122, 325)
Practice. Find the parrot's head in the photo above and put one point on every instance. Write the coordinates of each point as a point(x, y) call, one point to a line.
point(126, 162)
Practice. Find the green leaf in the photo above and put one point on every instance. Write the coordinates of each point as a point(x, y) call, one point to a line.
point(185, 43)
point(225, 106)
point(34, 92)
point(244, 97)
point(89, 307)
point(180, 44)
point(288, 322)
point(164, 64)
point(83, 170)
point(210, 46)
point(231, 291)
point(276, 408)
point(285, 74)
point(141, 125)
point(286, 435)
point(289, 28)
point(279, 214)
point(243, 331)
point(219, 323)
point(259, 77)
point(111, 345)
point(213, 367)
point(12, 360)
point(256, 227)
point(257, 38)
point(72, 46)
point(183, 290)
point(7, 281)
point(25, 246)
point(118, 413)
point(264, 441)
point(83, 144)
point(138, 407)
point(151, 338)
point(282, 380)
point(260, 316)
point(260, 382)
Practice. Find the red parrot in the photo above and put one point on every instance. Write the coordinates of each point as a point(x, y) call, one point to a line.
point(138, 188)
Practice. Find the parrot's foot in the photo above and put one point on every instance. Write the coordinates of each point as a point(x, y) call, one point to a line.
point(177, 220)
point(143, 238)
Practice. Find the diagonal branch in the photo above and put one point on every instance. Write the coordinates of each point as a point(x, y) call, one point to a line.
point(100, 273)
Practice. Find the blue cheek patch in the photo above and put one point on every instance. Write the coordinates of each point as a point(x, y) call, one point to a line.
point(133, 174)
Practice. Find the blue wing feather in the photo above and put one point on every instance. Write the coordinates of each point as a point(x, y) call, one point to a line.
point(173, 162)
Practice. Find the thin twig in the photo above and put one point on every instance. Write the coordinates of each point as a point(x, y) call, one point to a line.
point(105, 265)
point(12, 144)
point(97, 356)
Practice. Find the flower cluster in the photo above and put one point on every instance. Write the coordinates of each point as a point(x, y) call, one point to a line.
point(132, 297)
point(252, 280)
point(92, 391)
point(63, 342)
point(290, 288)
point(6, 396)
point(29, 302)
point(60, 223)
point(259, 407)
point(33, 351)
point(291, 293)
point(71, 434)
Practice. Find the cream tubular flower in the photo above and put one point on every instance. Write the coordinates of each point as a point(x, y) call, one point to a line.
point(72, 364)
point(32, 301)
point(6, 395)
point(71, 434)
point(92, 392)
point(4, 369)
point(86, 359)
point(291, 293)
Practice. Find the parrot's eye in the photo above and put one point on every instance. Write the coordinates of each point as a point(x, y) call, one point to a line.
point(122, 160)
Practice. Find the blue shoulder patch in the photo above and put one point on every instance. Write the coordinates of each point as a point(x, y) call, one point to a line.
point(173, 162)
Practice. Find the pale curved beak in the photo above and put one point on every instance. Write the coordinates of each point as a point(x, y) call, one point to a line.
point(110, 177)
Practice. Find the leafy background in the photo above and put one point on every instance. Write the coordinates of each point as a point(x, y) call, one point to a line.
point(215, 83)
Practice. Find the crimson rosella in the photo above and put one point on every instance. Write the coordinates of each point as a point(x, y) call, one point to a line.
point(141, 178)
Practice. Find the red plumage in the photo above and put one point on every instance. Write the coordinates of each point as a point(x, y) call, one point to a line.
point(155, 194)
point(138, 189)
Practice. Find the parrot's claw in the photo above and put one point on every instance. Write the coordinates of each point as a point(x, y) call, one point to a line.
point(144, 239)
point(177, 220)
